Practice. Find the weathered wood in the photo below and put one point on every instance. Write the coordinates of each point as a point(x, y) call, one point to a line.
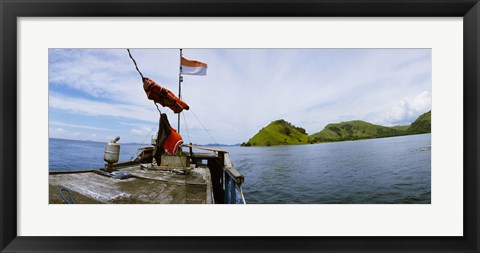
point(228, 166)
point(179, 182)
point(204, 148)
point(175, 160)
point(145, 187)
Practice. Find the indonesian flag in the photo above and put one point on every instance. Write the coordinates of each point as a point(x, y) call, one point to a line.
point(193, 67)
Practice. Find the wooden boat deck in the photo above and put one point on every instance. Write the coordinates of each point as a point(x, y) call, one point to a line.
point(157, 185)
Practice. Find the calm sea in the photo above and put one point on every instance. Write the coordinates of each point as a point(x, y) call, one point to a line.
point(387, 170)
point(83, 155)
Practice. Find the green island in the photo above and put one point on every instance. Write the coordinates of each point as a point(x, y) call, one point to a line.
point(281, 132)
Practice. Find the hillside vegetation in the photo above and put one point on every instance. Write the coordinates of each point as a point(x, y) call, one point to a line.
point(281, 132)
point(401, 128)
point(278, 132)
point(353, 130)
point(423, 124)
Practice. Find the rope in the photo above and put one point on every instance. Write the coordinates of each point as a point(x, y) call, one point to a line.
point(134, 62)
point(142, 143)
point(158, 109)
point(186, 127)
point(204, 128)
point(141, 75)
point(65, 199)
point(243, 197)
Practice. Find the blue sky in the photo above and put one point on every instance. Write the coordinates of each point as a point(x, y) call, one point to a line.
point(96, 94)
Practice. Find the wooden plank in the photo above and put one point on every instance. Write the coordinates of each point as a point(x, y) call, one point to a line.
point(234, 172)
point(204, 148)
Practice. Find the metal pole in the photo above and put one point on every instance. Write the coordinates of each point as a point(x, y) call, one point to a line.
point(180, 80)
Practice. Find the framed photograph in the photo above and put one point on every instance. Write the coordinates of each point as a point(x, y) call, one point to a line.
point(313, 118)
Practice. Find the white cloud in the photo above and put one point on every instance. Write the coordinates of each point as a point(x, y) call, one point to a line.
point(141, 131)
point(60, 130)
point(408, 109)
point(62, 133)
point(105, 74)
point(100, 108)
point(57, 123)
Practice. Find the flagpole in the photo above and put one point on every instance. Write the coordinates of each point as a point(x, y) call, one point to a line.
point(180, 80)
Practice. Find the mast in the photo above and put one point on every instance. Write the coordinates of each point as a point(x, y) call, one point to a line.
point(180, 80)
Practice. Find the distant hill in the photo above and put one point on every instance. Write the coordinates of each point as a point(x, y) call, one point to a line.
point(278, 132)
point(354, 130)
point(281, 132)
point(216, 145)
point(401, 128)
point(423, 124)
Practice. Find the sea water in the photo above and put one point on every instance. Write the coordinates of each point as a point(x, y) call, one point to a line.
point(376, 171)
point(83, 155)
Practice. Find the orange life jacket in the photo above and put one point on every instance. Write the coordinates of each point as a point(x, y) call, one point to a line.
point(163, 96)
point(168, 139)
point(172, 142)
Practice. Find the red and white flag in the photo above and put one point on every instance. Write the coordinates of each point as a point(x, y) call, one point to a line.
point(196, 68)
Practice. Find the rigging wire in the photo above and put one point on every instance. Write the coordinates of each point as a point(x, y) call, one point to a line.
point(204, 128)
point(141, 75)
point(158, 109)
point(143, 142)
point(186, 127)
point(134, 62)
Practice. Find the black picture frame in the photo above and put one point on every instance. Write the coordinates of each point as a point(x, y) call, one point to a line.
point(10, 10)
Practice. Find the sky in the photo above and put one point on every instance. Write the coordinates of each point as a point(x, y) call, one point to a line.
point(97, 94)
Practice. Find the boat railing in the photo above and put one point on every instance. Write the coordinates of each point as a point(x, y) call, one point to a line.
point(232, 179)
